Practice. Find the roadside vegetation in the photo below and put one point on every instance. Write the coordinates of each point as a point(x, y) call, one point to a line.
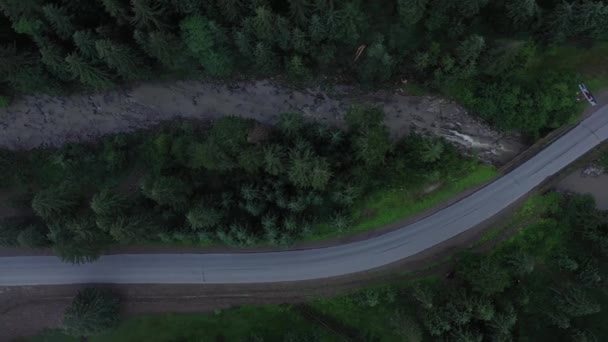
point(546, 282)
point(235, 183)
point(489, 55)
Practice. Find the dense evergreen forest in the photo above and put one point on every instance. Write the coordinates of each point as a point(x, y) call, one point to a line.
point(481, 52)
point(237, 182)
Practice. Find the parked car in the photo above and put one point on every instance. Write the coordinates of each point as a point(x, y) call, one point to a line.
point(587, 94)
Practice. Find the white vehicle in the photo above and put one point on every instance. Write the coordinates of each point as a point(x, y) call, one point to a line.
point(587, 94)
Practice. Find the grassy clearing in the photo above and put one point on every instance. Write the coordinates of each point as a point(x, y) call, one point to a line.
point(271, 323)
point(391, 205)
point(590, 63)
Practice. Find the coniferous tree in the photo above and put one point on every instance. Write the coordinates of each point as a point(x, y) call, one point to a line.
point(351, 21)
point(316, 29)
point(166, 48)
point(297, 70)
point(85, 42)
point(208, 43)
point(15, 9)
point(121, 58)
point(232, 9)
point(411, 11)
point(273, 159)
point(167, 191)
point(407, 327)
point(299, 11)
point(108, 203)
point(77, 240)
point(147, 14)
point(282, 34)
point(54, 58)
point(118, 9)
point(265, 59)
point(87, 73)
point(60, 20)
point(377, 66)
point(204, 217)
point(33, 236)
point(12, 60)
point(560, 20)
point(91, 312)
point(263, 24)
point(55, 203)
point(522, 12)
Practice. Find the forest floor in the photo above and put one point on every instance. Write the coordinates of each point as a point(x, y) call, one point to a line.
point(41, 120)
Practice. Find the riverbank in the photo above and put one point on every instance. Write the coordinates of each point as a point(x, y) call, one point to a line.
point(41, 120)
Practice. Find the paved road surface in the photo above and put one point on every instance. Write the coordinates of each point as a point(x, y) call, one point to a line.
point(322, 262)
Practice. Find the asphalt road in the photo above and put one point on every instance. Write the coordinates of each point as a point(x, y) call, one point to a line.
point(321, 262)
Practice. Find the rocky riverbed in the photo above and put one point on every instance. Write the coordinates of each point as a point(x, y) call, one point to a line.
point(39, 121)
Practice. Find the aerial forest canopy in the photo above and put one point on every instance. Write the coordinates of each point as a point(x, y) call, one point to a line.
point(237, 183)
point(477, 51)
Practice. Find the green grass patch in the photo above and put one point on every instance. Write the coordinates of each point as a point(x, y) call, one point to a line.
point(590, 62)
point(271, 323)
point(393, 204)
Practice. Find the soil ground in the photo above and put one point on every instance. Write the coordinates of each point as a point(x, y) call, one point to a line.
point(596, 186)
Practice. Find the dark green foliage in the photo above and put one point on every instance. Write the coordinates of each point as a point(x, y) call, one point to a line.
point(546, 103)
point(262, 23)
point(120, 58)
point(4, 101)
point(88, 74)
point(77, 240)
point(206, 41)
point(147, 14)
point(108, 203)
point(136, 228)
point(575, 302)
point(235, 182)
point(55, 203)
point(485, 275)
point(9, 233)
point(308, 170)
point(204, 217)
point(297, 70)
point(407, 327)
point(117, 8)
point(53, 58)
point(377, 66)
point(33, 236)
point(411, 11)
point(233, 10)
point(521, 262)
point(167, 48)
point(60, 20)
point(85, 42)
point(370, 138)
point(167, 191)
point(91, 312)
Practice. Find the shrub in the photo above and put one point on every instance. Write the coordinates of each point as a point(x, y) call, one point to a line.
point(91, 312)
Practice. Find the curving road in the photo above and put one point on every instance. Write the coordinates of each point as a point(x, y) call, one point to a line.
point(322, 262)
